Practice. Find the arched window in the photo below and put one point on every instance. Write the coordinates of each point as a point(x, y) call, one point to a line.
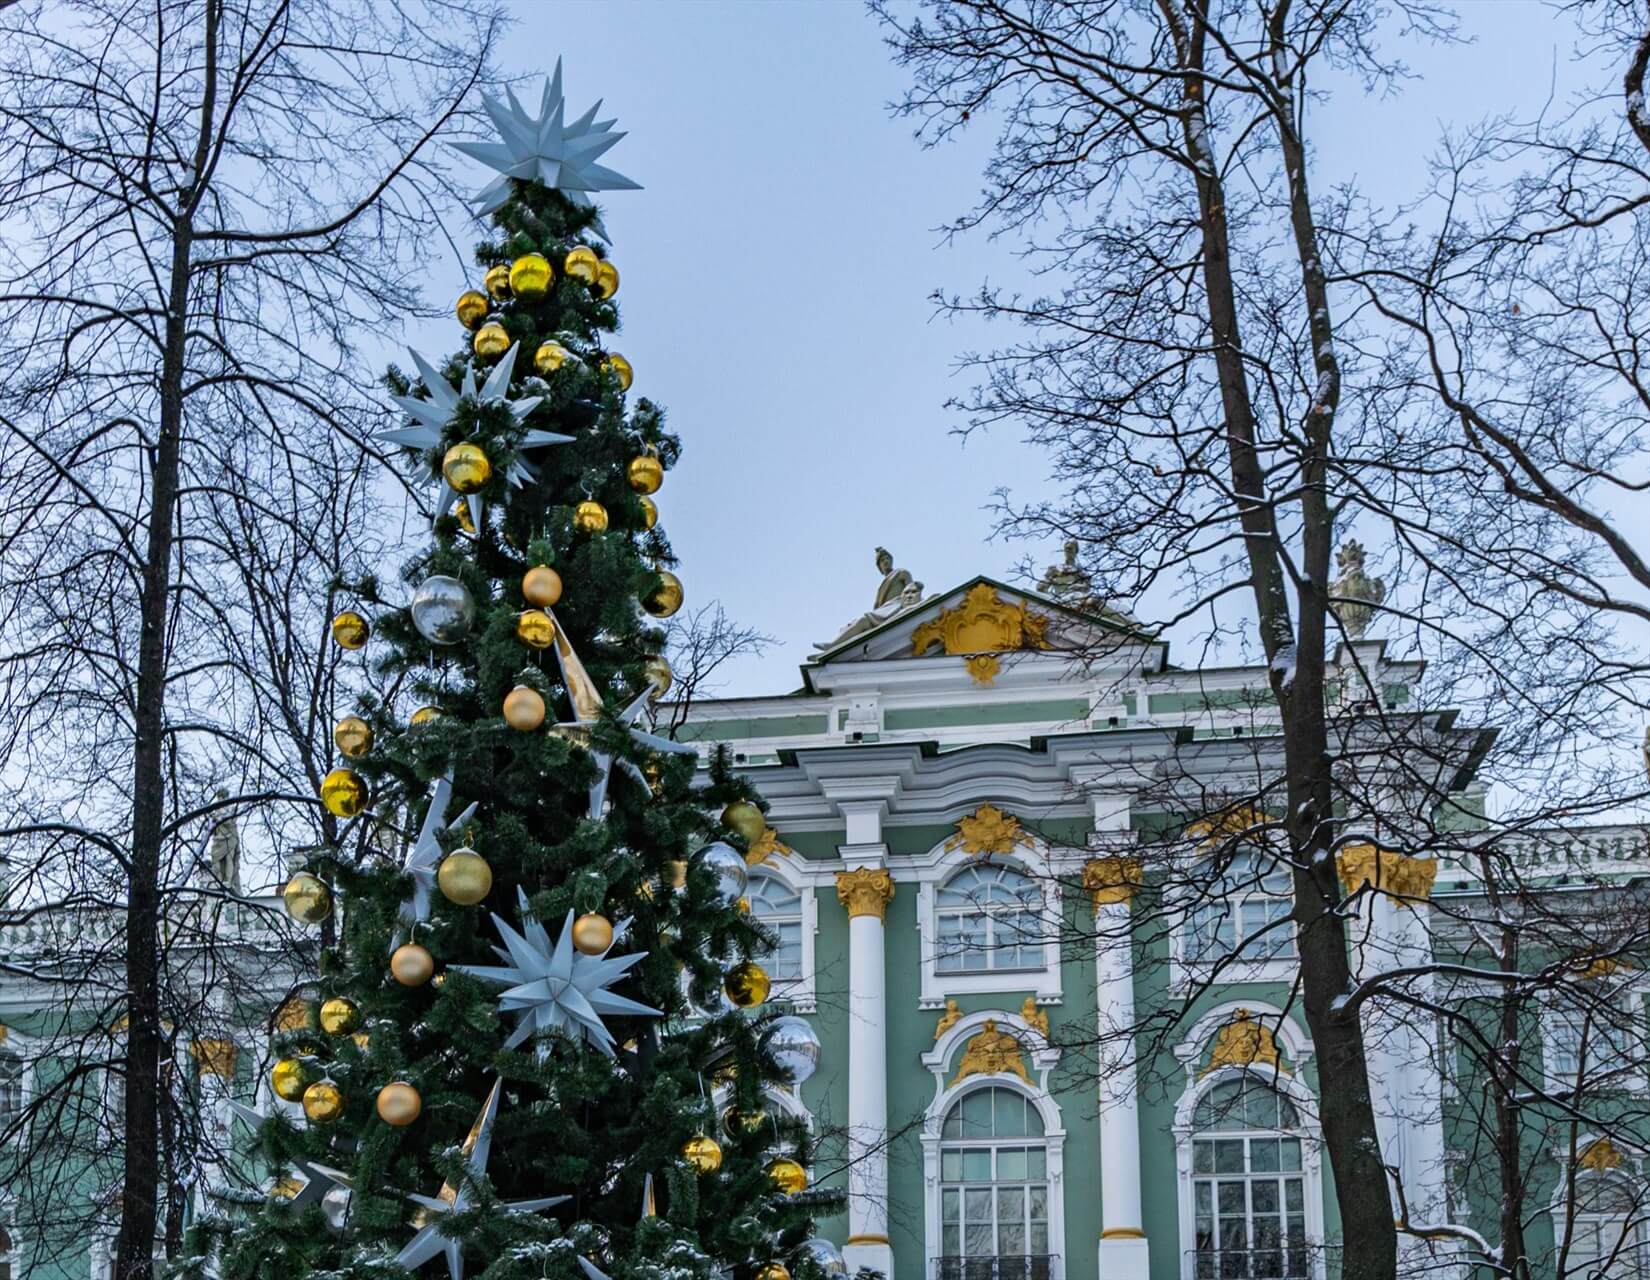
point(780, 908)
point(1248, 1187)
point(1242, 910)
point(988, 917)
point(1608, 1238)
point(994, 1196)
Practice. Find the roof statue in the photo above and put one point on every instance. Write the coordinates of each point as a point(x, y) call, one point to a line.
point(1354, 595)
point(223, 853)
point(896, 594)
point(1067, 582)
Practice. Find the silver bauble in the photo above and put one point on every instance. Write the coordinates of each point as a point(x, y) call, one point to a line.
point(727, 864)
point(825, 1256)
point(443, 609)
point(796, 1047)
point(335, 1205)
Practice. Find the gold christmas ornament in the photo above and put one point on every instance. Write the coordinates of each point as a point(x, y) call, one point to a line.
point(607, 278)
point(703, 1153)
point(353, 736)
point(323, 1102)
point(349, 630)
point(746, 819)
point(621, 369)
point(582, 264)
point(471, 308)
point(491, 341)
point(541, 585)
point(734, 1120)
point(666, 598)
point(523, 708)
point(592, 934)
point(530, 276)
point(307, 898)
point(399, 1104)
point(289, 1079)
point(412, 965)
point(650, 512)
point(549, 357)
point(343, 793)
point(747, 984)
point(774, 1271)
point(339, 1016)
point(659, 675)
point(498, 283)
point(424, 715)
point(787, 1176)
point(590, 516)
point(464, 877)
point(466, 467)
point(645, 473)
point(676, 873)
point(533, 627)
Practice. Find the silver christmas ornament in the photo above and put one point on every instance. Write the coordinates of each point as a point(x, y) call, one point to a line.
point(443, 609)
point(825, 1256)
point(728, 865)
point(335, 1206)
point(795, 1045)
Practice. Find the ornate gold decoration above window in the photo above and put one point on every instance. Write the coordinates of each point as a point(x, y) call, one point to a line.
point(866, 891)
point(1244, 1042)
point(986, 831)
point(1600, 1156)
point(1111, 880)
point(950, 1018)
point(1589, 970)
point(4, 1032)
point(991, 1052)
point(215, 1057)
point(765, 847)
point(982, 625)
point(1408, 880)
point(1228, 823)
point(1036, 1019)
point(294, 1015)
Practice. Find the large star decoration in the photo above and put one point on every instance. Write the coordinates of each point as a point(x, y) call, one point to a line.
point(317, 1178)
point(545, 148)
point(424, 859)
point(554, 987)
point(435, 412)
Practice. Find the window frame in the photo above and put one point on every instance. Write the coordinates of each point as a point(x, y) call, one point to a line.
point(996, 1145)
point(783, 868)
point(1045, 982)
point(994, 910)
point(1578, 1219)
point(1233, 966)
point(1629, 1000)
point(1250, 1178)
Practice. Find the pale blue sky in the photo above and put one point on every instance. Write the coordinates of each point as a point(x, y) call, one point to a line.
point(777, 268)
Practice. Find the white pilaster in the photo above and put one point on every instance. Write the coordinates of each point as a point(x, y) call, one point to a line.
point(215, 1061)
point(866, 891)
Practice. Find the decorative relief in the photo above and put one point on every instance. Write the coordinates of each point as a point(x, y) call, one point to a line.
point(983, 668)
point(1036, 1019)
point(1404, 878)
point(4, 1032)
point(1600, 1156)
point(1243, 1042)
point(986, 831)
point(215, 1057)
point(1111, 880)
point(983, 624)
point(950, 1018)
point(765, 847)
point(294, 1015)
point(866, 891)
point(991, 1052)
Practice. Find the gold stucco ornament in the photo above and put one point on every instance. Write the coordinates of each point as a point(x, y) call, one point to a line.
point(1244, 1042)
point(983, 625)
point(991, 1052)
point(986, 831)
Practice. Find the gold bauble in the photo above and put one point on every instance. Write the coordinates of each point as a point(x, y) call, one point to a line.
point(464, 877)
point(399, 1104)
point(747, 984)
point(466, 468)
point(703, 1153)
point(590, 516)
point(666, 598)
point(353, 736)
point(607, 278)
point(307, 898)
point(412, 965)
point(774, 1271)
point(746, 819)
point(339, 1016)
point(735, 1121)
point(533, 627)
point(645, 473)
point(349, 630)
point(523, 708)
point(289, 1079)
point(659, 675)
point(498, 283)
point(592, 934)
point(343, 793)
point(676, 873)
point(541, 585)
point(323, 1102)
point(549, 357)
point(582, 264)
point(424, 715)
point(787, 1175)
point(530, 276)
point(491, 341)
point(472, 308)
point(621, 369)
point(650, 512)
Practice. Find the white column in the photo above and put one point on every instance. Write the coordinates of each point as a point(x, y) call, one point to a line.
point(866, 892)
point(215, 1060)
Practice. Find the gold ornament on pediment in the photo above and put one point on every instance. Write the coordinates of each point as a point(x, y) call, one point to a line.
point(215, 1057)
point(1244, 1042)
point(983, 625)
point(1407, 879)
point(1111, 880)
point(1591, 968)
point(1600, 1155)
point(766, 845)
point(986, 831)
point(1035, 1018)
point(991, 1052)
point(982, 668)
point(950, 1018)
point(296, 1014)
point(866, 891)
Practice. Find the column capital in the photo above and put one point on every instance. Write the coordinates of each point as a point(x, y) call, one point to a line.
point(1408, 880)
point(865, 891)
point(215, 1057)
point(1112, 879)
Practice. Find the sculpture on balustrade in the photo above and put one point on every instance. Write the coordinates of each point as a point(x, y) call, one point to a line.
point(896, 594)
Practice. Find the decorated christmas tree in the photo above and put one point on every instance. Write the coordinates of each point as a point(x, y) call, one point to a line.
point(541, 1044)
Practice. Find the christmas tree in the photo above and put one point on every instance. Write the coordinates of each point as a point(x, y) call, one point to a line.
point(540, 1045)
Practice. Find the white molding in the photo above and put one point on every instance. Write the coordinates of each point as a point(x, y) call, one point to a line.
point(792, 871)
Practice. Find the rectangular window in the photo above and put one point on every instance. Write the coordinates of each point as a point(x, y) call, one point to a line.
point(1609, 1037)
